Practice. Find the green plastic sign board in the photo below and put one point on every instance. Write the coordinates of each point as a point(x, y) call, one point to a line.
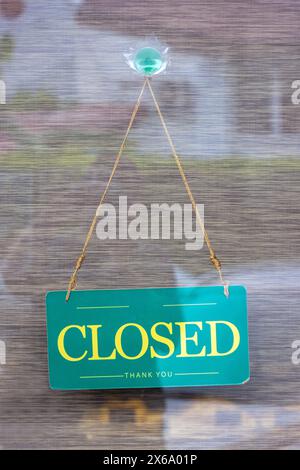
point(139, 338)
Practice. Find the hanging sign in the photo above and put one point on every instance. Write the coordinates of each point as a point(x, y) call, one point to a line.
point(138, 338)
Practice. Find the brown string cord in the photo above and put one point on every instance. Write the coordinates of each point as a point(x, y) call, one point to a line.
point(73, 279)
point(213, 258)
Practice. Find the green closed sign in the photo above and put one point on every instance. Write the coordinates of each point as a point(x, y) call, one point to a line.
point(137, 338)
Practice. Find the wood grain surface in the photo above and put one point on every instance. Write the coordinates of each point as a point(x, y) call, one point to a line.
point(227, 100)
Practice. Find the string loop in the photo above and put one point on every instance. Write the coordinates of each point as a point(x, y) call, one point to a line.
point(213, 257)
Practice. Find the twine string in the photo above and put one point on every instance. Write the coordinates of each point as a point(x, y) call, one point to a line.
point(78, 264)
point(213, 258)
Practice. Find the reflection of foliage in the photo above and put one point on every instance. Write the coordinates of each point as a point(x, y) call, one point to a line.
point(6, 47)
point(32, 101)
point(53, 151)
point(63, 157)
point(228, 166)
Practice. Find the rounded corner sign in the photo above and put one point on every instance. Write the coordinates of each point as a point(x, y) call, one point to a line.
point(143, 338)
